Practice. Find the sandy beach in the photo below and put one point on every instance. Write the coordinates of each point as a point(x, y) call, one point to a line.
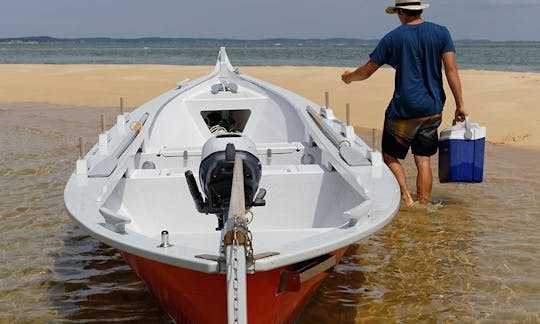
point(471, 256)
point(505, 102)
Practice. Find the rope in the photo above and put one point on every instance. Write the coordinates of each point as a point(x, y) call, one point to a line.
point(244, 212)
point(217, 129)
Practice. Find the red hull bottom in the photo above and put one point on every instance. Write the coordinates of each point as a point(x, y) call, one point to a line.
point(196, 297)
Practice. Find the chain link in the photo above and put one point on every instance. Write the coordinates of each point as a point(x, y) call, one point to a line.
point(243, 226)
point(235, 274)
point(240, 225)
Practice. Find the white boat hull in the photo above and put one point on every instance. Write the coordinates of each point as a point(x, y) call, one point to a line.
point(326, 189)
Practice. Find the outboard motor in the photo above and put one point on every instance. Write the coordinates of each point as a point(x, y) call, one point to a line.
point(216, 173)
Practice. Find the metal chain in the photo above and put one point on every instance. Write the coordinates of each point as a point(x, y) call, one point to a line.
point(240, 225)
point(250, 259)
point(235, 270)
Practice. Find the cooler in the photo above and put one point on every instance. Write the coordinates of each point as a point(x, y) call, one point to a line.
point(461, 153)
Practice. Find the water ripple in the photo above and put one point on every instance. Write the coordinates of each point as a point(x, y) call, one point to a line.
point(470, 256)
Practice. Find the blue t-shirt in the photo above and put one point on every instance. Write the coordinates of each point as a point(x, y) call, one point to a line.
point(415, 51)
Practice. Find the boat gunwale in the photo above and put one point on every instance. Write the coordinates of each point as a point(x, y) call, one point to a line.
point(335, 238)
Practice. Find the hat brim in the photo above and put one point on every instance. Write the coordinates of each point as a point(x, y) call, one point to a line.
point(392, 10)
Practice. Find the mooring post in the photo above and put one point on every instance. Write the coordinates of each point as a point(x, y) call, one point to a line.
point(348, 114)
point(102, 123)
point(374, 139)
point(326, 100)
point(81, 148)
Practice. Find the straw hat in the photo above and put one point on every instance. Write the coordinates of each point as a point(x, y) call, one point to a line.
point(406, 4)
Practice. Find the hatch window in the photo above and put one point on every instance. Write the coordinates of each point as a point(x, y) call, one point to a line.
point(226, 121)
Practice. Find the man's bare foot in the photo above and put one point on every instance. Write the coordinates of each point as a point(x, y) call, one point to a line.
point(408, 201)
point(423, 200)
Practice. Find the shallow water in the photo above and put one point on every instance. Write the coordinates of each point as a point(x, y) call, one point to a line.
point(475, 55)
point(471, 256)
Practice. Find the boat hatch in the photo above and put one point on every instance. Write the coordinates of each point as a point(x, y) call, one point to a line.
point(226, 120)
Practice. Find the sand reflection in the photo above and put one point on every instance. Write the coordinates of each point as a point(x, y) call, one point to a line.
point(472, 255)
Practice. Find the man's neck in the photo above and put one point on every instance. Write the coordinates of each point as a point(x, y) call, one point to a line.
point(414, 20)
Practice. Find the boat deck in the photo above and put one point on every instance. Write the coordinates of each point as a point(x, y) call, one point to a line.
point(298, 197)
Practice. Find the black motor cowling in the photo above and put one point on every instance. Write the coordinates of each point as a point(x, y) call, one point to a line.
point(216, 173)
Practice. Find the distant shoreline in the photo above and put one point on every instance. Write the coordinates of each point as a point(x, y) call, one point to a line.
point(44, 39)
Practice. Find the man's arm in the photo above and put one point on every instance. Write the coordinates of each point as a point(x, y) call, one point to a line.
point(452, 75)
point(361, 73)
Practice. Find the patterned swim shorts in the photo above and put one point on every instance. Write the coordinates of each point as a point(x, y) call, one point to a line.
point(420, 134)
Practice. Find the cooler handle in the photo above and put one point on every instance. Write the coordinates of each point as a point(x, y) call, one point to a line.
point(468, 131)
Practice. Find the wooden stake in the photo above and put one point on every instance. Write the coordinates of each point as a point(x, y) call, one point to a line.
point(348, 114)
point(121, 106)
point(373, 138)
point(81, 148)
point(327, 99)
point(102, 124)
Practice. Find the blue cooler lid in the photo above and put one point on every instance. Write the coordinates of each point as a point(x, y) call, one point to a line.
point(463, 131)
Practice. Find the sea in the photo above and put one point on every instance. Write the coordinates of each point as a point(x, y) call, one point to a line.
point(477, 55)
point(470, 256)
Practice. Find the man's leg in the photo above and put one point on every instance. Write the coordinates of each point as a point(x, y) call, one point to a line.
point(423, 147)
point(399, 173)
point(424, 179)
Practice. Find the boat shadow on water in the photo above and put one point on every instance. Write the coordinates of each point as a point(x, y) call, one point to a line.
point(57, 272)
point(467, 256)
point(431, 264)
point(93, 283)
point(404, 271)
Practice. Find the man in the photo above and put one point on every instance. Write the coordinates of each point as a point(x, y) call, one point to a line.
point(416, 50)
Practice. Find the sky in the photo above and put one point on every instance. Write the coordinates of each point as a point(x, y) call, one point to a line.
point(497, 20)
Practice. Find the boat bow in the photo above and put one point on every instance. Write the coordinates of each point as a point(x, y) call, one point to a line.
point(136, 189)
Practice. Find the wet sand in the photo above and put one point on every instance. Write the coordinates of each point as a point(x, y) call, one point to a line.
point(470, 256)
point(505, 102)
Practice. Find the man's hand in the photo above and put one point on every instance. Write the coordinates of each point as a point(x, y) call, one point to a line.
point(460, 114)
point(361, 73)
point(345, 77)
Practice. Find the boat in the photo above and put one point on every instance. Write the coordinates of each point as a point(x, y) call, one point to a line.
point(230, 197)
